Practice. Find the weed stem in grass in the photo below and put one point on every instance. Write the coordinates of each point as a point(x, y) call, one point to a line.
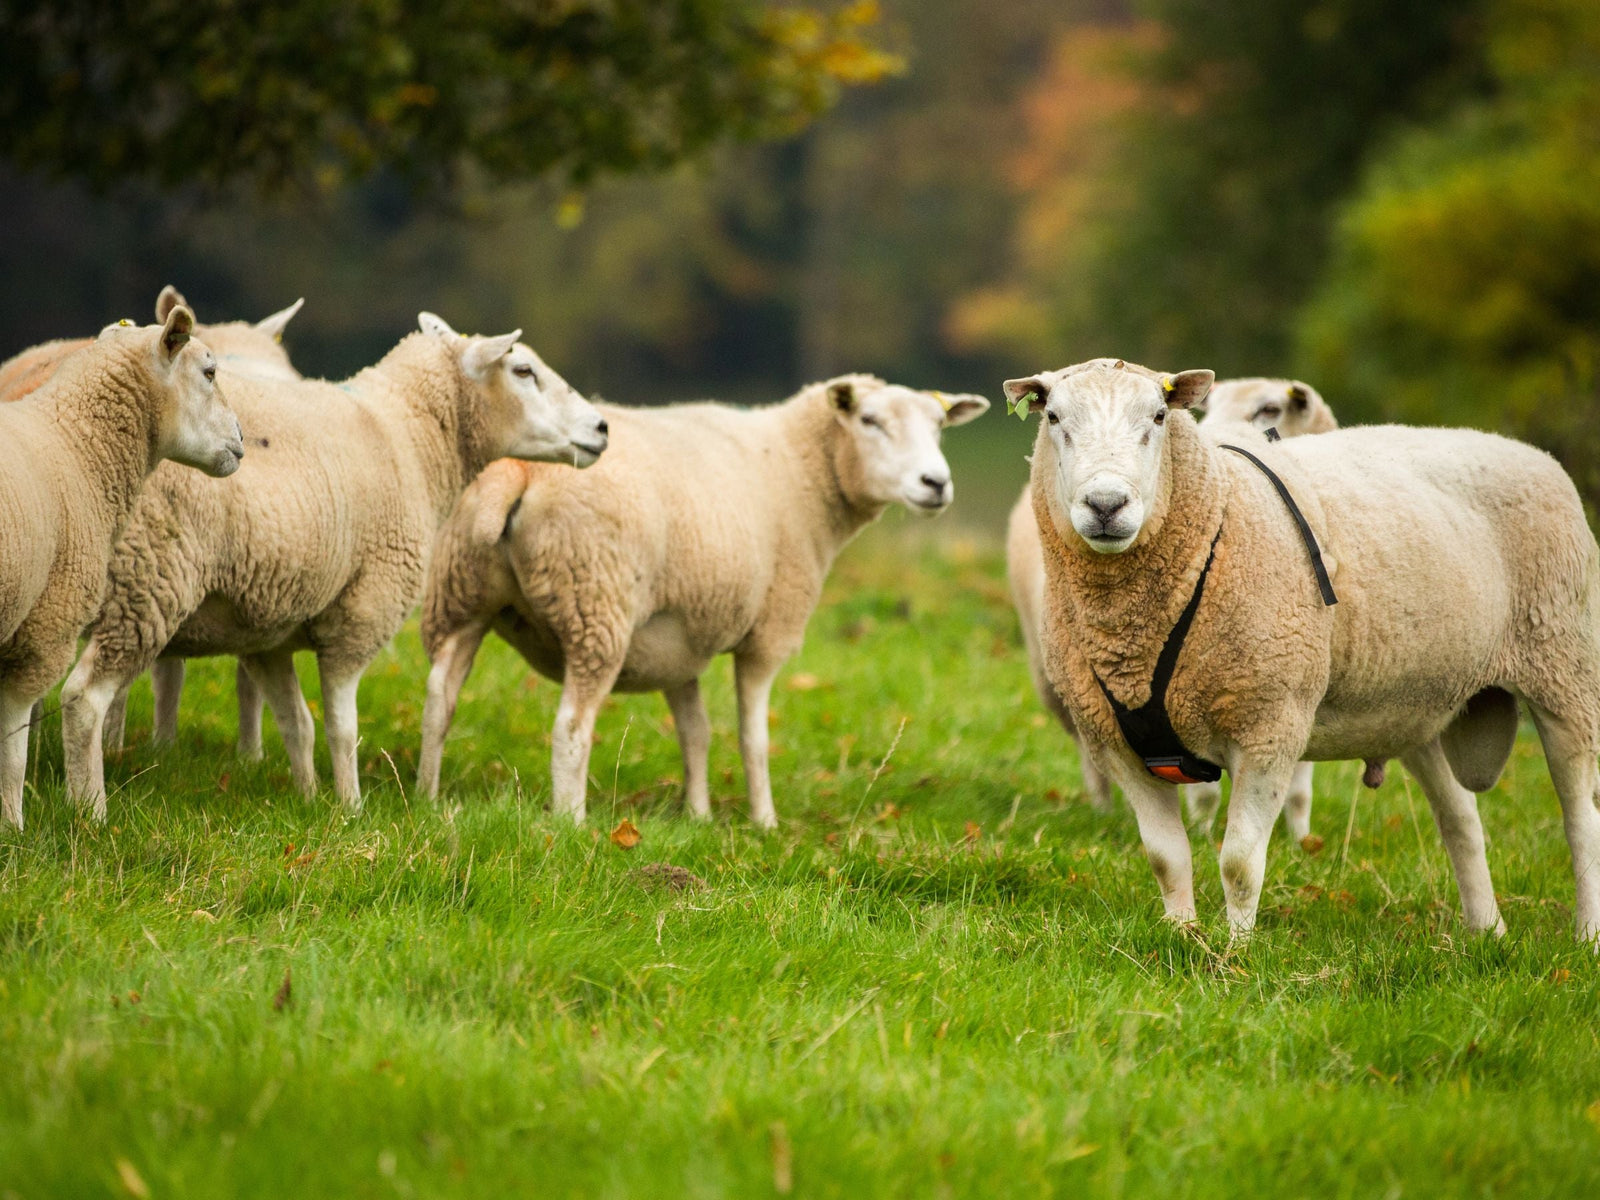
point(884, 763)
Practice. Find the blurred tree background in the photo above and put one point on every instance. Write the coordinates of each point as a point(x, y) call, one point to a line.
point(675, 198)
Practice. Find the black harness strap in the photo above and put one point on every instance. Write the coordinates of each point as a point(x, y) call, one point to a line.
point(1310, 539)
point(1147, 729)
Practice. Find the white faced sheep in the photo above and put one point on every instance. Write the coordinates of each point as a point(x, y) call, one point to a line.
point(76, 454)
point(706, 530)
point(322, 542)
point(1287, 405)
point(247, 348)
point(252, 349)
point(242, 346)
point(1466, 575)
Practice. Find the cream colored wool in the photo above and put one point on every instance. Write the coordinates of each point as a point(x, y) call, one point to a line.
point(1291, 407)
point(322, 542)
point(1463, 563)
point(76, 453)
point(1235, 408)
point(240, 346)
point(705, 531)
point(253, 349)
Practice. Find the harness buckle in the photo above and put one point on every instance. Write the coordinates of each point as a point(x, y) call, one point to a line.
point(1183, 768)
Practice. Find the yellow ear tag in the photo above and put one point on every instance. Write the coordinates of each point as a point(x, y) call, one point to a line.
point(124, 321)
point(1168, 386)
point(943, 403)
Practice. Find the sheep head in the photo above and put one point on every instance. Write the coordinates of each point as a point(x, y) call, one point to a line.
point(1291, 407)
point(1099, 454)
point(193, 423)
point(524, 409)
point(891, 441)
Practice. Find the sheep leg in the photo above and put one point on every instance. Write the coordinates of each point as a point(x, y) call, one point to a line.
point(250, 701)
point(694, 740)
point(1569, 752)
point(1253, 807)
point(753, 680)
point(114, 735)
point(452, 663)
point(1455, 812)
point(15, 719)
point(340, 721)
point(1095, 781)
point(274, 674)
point(1297, 807)
point(1166, 842)
point(1203, 800)
point(85, 699)
point(582, 693)
point(166, 678)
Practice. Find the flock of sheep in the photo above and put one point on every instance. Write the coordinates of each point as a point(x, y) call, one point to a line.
point(1193, 599)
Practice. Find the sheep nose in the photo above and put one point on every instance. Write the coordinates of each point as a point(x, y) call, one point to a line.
point(1106, 504)
point(602, 427)
point(935, 483)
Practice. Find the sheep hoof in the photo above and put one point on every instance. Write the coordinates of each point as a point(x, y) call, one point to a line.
point(1372, 777)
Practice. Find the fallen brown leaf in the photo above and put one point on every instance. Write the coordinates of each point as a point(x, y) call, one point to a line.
point(973, 832)
point(626, 834)
point(1311, 844)
point(803, 681)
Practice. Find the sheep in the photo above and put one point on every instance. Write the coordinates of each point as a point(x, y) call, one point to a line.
point(322, 543)
point(1467, 578)
point(239, 346)
point(1292, 408)
point(76, 454)
point(242, 348)
point(707, 530)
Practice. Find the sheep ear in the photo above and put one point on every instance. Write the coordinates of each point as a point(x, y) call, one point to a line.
point(274, 325)
point(435, 326)
point(1024, 396)
point(482, 353)
point(1299, 397)
point(175, 331)
point(168, 300)
point(842, 395)
point(1186, 388)
point(958, 410)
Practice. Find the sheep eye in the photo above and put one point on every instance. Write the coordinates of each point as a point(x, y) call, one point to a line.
point(1271, 410)
point(1161, 417)
point(522, 371)
point(210, 373)
point(870, 421)
point(1051, 417)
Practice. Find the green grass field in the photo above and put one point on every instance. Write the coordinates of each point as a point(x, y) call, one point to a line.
point(944, 975)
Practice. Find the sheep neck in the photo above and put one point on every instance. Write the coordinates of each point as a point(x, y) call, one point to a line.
point(426, 375)
point(105, 412)
point(1121, 607)
point(828, 516)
